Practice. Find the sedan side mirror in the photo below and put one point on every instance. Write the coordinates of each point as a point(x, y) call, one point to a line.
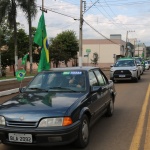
point(95, 88)
point(111, 65)
point(21, 90)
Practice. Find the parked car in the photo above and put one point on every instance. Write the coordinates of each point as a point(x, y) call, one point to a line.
point(148, 62)
point(53, 110)
point(140, 66)
point(141, 60)
point(125, 69)
point(147, 66)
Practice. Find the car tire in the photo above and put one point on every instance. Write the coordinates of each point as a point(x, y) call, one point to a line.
point(110, 108)
point(83, 135)
point(136, 79)
point(139, 78)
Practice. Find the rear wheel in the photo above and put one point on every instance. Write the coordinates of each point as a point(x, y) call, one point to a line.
point(83, 135)
point(139, 77)
point(110, 108)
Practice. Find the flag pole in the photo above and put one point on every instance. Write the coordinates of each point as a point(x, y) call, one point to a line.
point(21, 84)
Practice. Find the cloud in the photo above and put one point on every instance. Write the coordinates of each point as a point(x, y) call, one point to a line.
point(124, 19)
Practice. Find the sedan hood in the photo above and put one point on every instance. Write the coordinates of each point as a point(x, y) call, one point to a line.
point(123, 68)
point(33, 106)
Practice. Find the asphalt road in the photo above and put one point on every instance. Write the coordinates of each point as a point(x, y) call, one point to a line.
point(127, 129)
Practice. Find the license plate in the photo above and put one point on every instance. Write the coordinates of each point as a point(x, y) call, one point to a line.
point(121, 76)
point(22, 138)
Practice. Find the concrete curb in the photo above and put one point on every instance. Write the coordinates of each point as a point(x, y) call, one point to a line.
point(14, 79)
point(11, 91)
point(8, 92)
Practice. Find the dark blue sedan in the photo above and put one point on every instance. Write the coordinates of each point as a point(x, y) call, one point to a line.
point(57, 107)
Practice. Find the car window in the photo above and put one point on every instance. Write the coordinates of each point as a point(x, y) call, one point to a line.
point(125, 63)
point(92, 79)
point(38, 81)
point(59, 81)
point(100, 78)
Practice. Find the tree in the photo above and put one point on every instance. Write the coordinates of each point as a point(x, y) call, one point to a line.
point(65, 45)
point(22, 42)
point(4, 38)
point(95, 59)
point(30, 9)
point(9, 8)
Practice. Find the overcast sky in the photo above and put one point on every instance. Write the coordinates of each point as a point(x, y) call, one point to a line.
point(102, 18)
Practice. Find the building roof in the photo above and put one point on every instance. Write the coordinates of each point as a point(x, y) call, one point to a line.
point(103, 41)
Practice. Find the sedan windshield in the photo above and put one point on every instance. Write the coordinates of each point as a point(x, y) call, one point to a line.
point(72, 81)
point(124, 63)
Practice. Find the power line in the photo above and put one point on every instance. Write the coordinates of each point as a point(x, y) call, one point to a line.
point(58, 12)
point(91, 6)
point(101, 33)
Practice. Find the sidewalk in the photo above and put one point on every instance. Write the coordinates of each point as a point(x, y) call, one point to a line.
point(10, 86)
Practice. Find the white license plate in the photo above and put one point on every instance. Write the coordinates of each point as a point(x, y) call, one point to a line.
point(17, 137)
point(121, 76)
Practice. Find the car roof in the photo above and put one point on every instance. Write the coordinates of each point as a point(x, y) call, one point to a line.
point(83, 68)
point(126, 58)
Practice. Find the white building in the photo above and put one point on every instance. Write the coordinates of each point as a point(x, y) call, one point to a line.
point(108, 50)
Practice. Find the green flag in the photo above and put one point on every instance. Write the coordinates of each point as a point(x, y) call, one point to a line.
point(24, 59)
point(20, 74)
point(40, 38)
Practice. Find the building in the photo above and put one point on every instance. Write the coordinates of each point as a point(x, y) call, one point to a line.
point(139, 48)
point(108, 50)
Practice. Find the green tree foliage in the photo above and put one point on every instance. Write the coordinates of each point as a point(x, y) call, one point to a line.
point(22, 42)
point(30, 9)
point(8, 8)
point(63, 47)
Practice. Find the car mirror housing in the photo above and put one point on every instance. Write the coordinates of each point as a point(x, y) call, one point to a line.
point(95, 88)
point(21, 90)
point(111, 65)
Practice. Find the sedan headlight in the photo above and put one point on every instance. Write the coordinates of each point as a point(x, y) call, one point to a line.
point(2, 121)
point(51, 122)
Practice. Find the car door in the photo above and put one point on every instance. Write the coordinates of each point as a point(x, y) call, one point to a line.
point(105, 89)
point(97, 98)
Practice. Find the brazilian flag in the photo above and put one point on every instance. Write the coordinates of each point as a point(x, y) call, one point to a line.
point(40, 39)
point(20, 74)
point(24, 59)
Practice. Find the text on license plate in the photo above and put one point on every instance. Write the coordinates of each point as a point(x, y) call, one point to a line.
point(121, 76)
point(17, 137)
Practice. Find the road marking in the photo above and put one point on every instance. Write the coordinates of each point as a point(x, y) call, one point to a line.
point(135, 144)
point(147, 139)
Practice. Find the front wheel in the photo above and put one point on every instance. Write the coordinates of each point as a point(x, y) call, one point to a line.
point(83, 135)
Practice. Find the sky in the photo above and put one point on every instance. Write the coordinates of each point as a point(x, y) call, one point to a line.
point(101, 18)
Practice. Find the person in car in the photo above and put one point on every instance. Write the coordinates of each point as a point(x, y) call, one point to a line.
point(79, 82)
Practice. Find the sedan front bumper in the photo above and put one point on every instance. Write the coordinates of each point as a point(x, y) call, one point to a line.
point(43, 137)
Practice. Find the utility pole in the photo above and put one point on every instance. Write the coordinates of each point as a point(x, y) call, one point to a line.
point(0, 63)
point(43, 9)
point(126, 53)
point(30, 36)
point(80, 34)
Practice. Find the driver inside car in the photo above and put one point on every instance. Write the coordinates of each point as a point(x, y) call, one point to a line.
point(78, 82)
